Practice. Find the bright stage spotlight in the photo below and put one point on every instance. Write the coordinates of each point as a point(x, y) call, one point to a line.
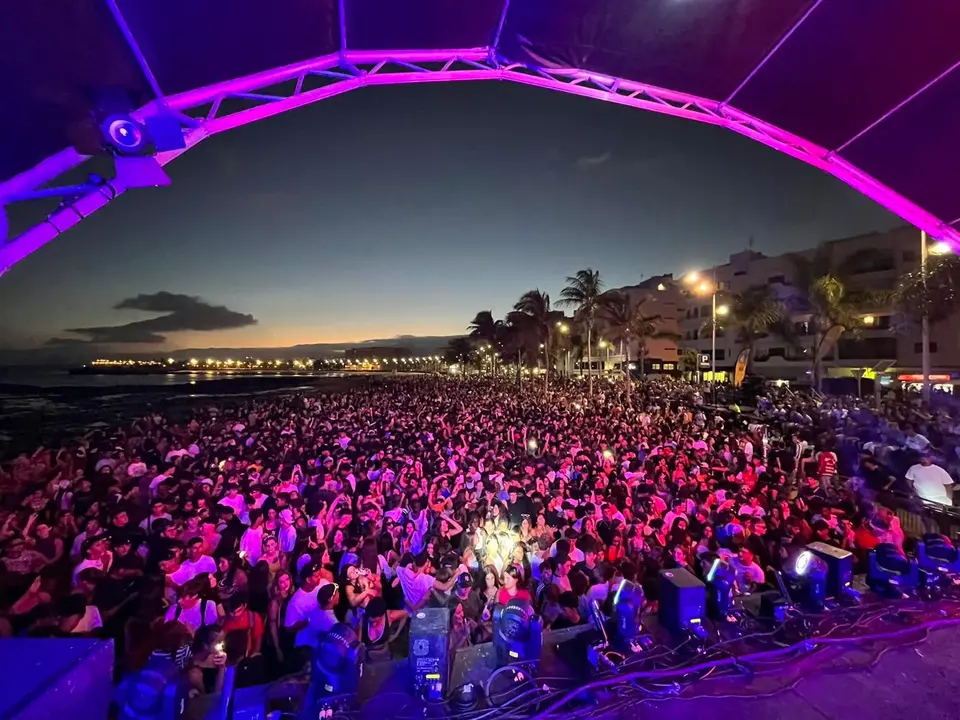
point(125, 135)
point(517, 633)
point(806, 580)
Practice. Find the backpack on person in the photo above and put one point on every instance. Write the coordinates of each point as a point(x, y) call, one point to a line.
point(203, 613)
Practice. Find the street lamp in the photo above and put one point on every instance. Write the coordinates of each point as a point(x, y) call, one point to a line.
point(702, 287)
point(927, 249)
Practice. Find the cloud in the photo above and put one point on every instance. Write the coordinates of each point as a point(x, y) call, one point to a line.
point(588, 162)
point(177, 313)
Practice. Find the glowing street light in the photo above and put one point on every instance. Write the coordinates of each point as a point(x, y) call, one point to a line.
point(940, 248)
point(869, 319)
point(723, 310)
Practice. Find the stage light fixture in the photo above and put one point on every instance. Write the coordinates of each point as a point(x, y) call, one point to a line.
point(936, 553)
point(806, 580)
point(125, 135)
point(891, 574)
point(336, 664)
point(158, 692)
point(517, 633)
point(626, 607)
point(720, 579)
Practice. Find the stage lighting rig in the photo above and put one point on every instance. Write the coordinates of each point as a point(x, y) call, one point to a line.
point(517, 633)
point(335, 669)
point(158, 692)
point(839, 564)
point(935, 553)
point(890, 574)
point(720, 580)
point(805, 578)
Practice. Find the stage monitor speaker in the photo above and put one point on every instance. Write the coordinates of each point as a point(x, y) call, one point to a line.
point(682, 601)
point(430, 656)
point(839, 567)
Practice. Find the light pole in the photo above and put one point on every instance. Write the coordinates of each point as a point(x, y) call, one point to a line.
point(938, 248)
point(564, 329)
point(702, 287)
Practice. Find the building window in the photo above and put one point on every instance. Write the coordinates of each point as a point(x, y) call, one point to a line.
point(918, 347)
point(777, 352)
point(704, 311)
point(881, 263)
point(696, 312)
point(802, 327)
point(721, 354)
point(723, 285)
point(777, 279)
point(655, 366)
point(679, 352)
point(879, 348)
point(740, 273)
point(696, 335)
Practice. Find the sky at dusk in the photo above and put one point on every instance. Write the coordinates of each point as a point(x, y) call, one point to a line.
point(404, 211)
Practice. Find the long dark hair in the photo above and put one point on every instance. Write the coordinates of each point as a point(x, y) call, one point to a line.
point(368, 555)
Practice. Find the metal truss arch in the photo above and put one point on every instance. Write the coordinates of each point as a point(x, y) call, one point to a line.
point(214, 109)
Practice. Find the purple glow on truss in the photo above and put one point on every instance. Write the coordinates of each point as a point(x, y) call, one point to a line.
point(332, 75)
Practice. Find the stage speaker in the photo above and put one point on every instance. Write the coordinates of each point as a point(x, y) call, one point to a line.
point(430, 656)
point(682, 602)
point(839, 567)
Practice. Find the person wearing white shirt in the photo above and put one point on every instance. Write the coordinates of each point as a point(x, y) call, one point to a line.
point(915, 441)
point(235, 500)
point(192, 611)
point(931, 482)
point(196, 562)
point(302, 606)
point(251, 542)
point(747, 571)
point(156, 513)
point(288, 531)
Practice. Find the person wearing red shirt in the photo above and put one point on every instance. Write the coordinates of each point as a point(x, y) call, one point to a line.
point(241, 619)
point(510, 587)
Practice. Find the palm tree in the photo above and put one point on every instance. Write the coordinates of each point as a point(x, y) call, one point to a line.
point(534, 316)
point(628, 323)
point(485, 329)
point(583, 292)
point(752, 314)
point(938, 297)
point(458, 351)
point(688, 361)
point(823, 294)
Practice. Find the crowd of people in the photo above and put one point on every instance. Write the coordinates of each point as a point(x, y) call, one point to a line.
point(241, 535)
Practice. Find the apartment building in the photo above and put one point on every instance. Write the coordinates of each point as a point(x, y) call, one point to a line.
point(661, 296)
point(885, 345)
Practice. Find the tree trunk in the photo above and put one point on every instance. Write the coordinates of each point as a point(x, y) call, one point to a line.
point(519, 370)
point(546, 364)
point(643, 359)
point(626, 375)
point(590, 356)
point(817, 361)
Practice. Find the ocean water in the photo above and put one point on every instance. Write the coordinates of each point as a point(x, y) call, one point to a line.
point(48, 406)
point(54, 377)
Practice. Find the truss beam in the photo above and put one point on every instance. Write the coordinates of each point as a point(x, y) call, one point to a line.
point(211, 110)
